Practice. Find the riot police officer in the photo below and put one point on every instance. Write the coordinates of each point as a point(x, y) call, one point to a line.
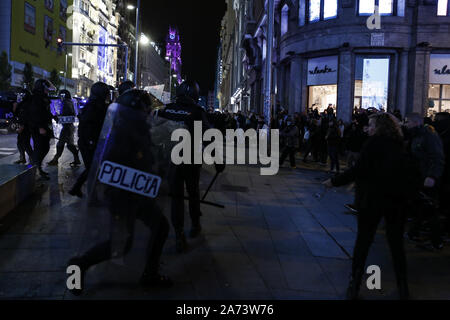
point(91, 122)
point(67, 131)
point(40, 121)
point(21, 109)
point(186, 110)
point(126, 143)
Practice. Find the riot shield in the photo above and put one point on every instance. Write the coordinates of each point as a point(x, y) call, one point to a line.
point(127, 179)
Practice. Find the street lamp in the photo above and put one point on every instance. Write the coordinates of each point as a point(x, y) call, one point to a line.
point(144, 40)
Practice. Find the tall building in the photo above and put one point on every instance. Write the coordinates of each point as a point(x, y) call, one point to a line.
point(330, 52)
point(153, 69)
point(173, 53)
point(94, 21)
point(127, 36)
point(29, 32)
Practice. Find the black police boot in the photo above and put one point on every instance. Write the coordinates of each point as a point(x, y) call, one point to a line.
point(21, 160)
point(180, 241)
point(53, 162)
point(44, 175)
point(76, 159)
point(354, 285)
point(78, 262)
point(196, 229)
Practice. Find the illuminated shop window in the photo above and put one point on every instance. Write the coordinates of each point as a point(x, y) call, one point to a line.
point(442, 8)
point(330, 9)
point(372, 82)
point(322, 10)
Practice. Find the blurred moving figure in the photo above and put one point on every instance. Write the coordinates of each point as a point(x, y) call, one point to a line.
point(21, 110)
point(91, 123)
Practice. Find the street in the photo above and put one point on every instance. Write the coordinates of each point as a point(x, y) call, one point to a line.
point(279, 237)
point(8, 145)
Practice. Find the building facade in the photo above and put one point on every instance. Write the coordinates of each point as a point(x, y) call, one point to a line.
point(340, 52)
point(94, 21)
point(29, 32)
point(153, 69)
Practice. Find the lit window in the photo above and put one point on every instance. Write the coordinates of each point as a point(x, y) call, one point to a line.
point(284, 19)
point(330, 9)
point(314, 10)
point(366, 6)
point(385, 7)
point(442, 7)
point(322, 10)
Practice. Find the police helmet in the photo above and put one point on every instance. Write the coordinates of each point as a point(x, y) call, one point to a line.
point(99, 90)
point(43, 86)
point(135, 99)
point(65, 94)
point(189, 89)
point(126, 85)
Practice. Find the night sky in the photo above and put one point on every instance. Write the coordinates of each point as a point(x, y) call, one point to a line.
point(199, 24)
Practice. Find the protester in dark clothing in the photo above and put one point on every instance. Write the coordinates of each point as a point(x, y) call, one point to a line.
point(355, 138)
point(290, 134)
point(333, 138)
point(382, 188)
point(312, 145)
point(427, 153)
point(91, 123)
point(67, 132)
point(442, 125)
point(40, 122)
point(21, 110)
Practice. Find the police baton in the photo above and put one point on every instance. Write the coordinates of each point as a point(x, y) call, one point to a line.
point(201, 201)
point(210, 185)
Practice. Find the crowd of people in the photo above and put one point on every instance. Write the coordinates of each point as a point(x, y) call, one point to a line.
point(400, 166)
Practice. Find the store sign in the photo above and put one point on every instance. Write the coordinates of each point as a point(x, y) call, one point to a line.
point(322, 70)
point(440, 68)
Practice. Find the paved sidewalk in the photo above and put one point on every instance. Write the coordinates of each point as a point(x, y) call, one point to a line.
point(275, 239)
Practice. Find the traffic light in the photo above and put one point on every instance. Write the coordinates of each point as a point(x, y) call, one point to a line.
point(60, 42)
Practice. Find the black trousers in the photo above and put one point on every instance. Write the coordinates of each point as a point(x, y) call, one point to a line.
point(41, 147)
point(23, 143)
point(312, 146)
point(368, 221)
point(288, 151)
point(151, 216)
point(66, 137)
point(87, 152)
point(189, 175)
point(333, 152)
point(425, 210)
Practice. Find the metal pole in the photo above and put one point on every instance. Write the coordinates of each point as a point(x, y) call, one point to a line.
point(65, 73)
point(170, 77)
point(268, 71)
point(126, 64)
point(137, 44)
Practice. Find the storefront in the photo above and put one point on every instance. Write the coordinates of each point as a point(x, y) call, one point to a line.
point(322, 82)
point(371, 82)
point(439, 84)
